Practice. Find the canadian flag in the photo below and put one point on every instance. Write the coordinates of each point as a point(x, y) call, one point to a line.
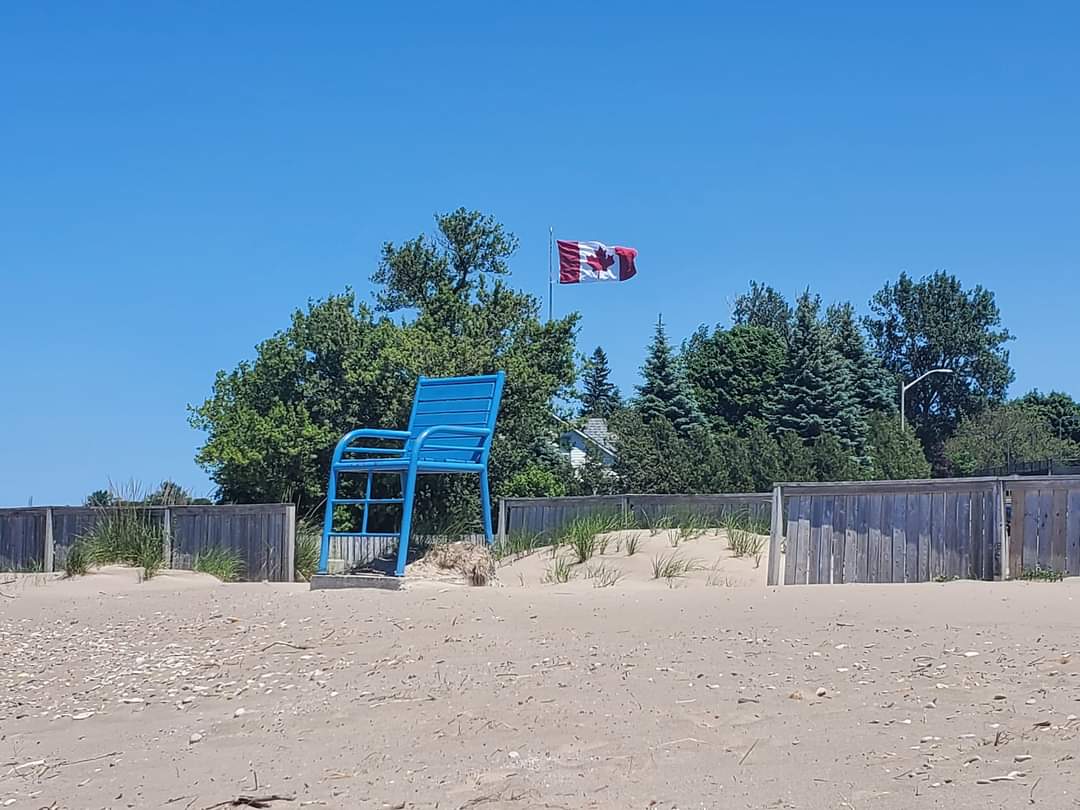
point(594, 261)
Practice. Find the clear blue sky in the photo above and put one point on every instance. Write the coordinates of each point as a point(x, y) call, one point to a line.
point(175, 178)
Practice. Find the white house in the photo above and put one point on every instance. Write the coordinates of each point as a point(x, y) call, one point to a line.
point(593, 434)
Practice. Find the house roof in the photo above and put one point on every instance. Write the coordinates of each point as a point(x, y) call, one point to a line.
point(596, 432)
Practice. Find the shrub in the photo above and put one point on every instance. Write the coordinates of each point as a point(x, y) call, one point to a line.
point(221, 563)
point(534, 482)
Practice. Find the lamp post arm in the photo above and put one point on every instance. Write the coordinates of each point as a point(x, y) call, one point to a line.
point(904, 389)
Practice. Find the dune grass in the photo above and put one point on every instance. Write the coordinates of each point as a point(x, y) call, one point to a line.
point(221, 563)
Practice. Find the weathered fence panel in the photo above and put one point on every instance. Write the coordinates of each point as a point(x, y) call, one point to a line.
point(258, 534)
point(547, 515)
point(893, 531)
point(1044, 525)
point(22, 539)
point(261, 535)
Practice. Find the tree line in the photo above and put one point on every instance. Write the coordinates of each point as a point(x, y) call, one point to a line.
point(791, 390)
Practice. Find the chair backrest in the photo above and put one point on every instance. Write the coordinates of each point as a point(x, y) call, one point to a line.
point(467, 401)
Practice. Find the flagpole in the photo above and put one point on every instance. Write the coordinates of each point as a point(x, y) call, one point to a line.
point(551, 278)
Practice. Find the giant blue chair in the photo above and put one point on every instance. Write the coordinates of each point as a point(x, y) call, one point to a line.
point(450, 431)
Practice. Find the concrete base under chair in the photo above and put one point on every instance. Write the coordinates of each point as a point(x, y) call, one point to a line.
point(320, 581)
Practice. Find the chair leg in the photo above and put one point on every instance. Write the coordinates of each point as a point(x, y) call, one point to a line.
point(367, 503)
point(406, 522)
point(485, 507)
point(328, 522)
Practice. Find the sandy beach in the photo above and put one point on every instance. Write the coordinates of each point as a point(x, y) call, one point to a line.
point(706, 690)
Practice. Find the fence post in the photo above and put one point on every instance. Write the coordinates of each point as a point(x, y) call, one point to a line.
point(625, 503)
point(776, 533)
point(166, 537)
point(502, 521)
point(1003, 529)
point(49, 550)
point(290, 542)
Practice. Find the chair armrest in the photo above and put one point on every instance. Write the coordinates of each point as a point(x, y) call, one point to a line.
point(467, 430)
point(370, 433)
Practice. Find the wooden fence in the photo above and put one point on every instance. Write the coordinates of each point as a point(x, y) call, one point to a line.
point(888, 531)
point(548, 515)
point(263, 536)
point(1044, 525)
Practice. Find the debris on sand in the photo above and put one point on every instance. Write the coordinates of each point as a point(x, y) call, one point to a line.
point(470, 562)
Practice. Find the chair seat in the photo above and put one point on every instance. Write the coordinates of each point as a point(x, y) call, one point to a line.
point(424, 466)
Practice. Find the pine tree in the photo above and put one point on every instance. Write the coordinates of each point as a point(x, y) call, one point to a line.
point(601, 396)
point(874, 386)
point(817, 393)
point(665, 391)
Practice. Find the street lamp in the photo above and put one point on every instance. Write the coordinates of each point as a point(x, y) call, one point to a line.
point(904, 388)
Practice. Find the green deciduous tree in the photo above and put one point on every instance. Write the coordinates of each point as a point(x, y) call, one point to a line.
point(932, 323)
point(1061, 412)
point(763, 306)
point(734, 373)
point(1003, 436)
point(99, 497)
point(468, 248)
point(592, 477)
point(271, 423)
point(600, 396)
point(664, 391)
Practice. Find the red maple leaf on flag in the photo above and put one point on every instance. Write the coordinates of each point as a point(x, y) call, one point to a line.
point(600, 261)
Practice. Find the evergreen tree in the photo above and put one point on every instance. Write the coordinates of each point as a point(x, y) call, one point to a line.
point(734, 372)
point(654, 457)
point(816, 396)
point(894, 453)
point(600, 396)
point(665, 391)
point(875, 388)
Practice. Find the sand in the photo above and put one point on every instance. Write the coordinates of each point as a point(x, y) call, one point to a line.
point(707, 691)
